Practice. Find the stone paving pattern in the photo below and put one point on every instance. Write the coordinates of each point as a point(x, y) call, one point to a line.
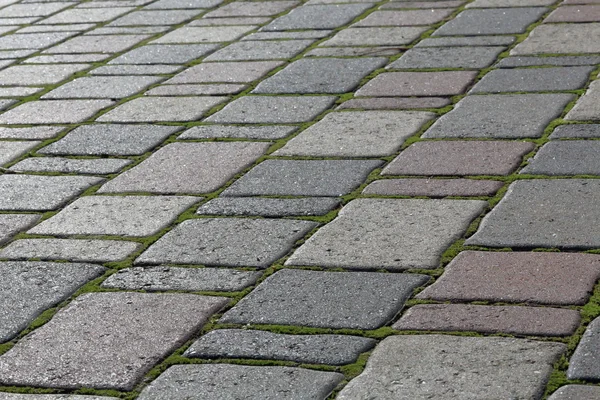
point(299, 199)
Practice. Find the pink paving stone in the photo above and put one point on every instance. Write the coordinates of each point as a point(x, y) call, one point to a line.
point(583, 13)
point(444, 83)
point(516, 320)
point(517, 277)
point(395, 103)
point(433, 187)
point(459, 158)
point(405, 17)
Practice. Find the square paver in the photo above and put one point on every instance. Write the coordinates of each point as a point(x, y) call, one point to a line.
point(583, 13)
point(328, 16)
point(405, 17)
point(260, 50)
point(493, 21)
point(325, 299)
point(451, 57)
point(251, 9)
point(158, 17)
point(10, 151)
point(433, 187)
point(574, 38)
point(586, 107)
point(38, 75)
point(443, 83)
point(97, 44)
point(229, 242)
point(389, 233)
point(53, 111)
point(165, 54)
point(566, 157)
point(533, 80)
point(11, 224)
point(268, 207)
point(107, 87)
point(205, 34)
point(384, 36)
point(225, 72)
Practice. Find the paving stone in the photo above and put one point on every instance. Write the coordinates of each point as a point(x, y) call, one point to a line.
point(53, 111)
point(309, 349)
point(173, 278)
point(197, 34)
point(584, 13)
point(38, 75)
point(574, 38)
point(459, 158)
point(230, 21)
point(69, 249)
point(303, 178)
point(77, 16)
point(320, 75)
point(131, 30)
point(53, 356)
point(576, 131)
point(452, 57)
point(566, 158)
point(441, 83)
point(152, 109)
point(251, 9)
point(500, 116)
point(260, 50)
point(56, 28)
point(422, 4)
point(433, 187)
point(32, 192)
point(543, 213)
point(67, 58)
point(356, 134)
point(514, 320)
point(328, 16)
point(567, 61)
point(405, 17)
point(584, 362)
point(229, 242)
point(364, 234)
point(272, 109)
point(114, 87)
point(96, 44)
point(587, 107)
point(246, 132)
point(10, 151)
point(30, 288)
point(165, 54)
point(135, 70)
point(197, 90)
point(267, 207)
point(386, 36)
point(517, 277)
point(352, 51)
point(11, 224)
point(16, 396)
point(395, 103)
point(188, 168)
point(491, 21)
point(33, 40)
point(115, 215)
point(224, 381)
point(467, 41)
point(451, 367)
point(71, 166)
point(567, 2)
point(227, 72)
point(576, 392)
point(177, 4)
point(16, 92)
point(159, 17)
point(111, 139)
point(110, 3)
point(509, 3)
point(325, 299)
point(288, 34)
point(33, 10)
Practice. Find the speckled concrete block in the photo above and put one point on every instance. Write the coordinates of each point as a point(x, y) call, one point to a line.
point(39, 75)
point(433, 187)
point(16, 396)
point(583, 13)
point(451, 57)
point(10, 151)
point(566, 157)
point(260, 50)
point(443, 83)
point(384, 36)
point(584, 362)
point(96, 166)
point(165, 54)
point(576, 131)
point(405, 17)
point(11, 224)
point(267, 207)
point(530, 61)
point(561, 39)
point(227, 72)
point(102, 87)
point(240, 132)
point(491, 21)
point(251, 9)
point(96, 44)
point(533, 80)
point(328, 16)
point(587, 107)
point(53, 111)
point(205, 34)
point(576, 392)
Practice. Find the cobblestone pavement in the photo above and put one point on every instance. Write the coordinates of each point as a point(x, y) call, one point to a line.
point(328, 199)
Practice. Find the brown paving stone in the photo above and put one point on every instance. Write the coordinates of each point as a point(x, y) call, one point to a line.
point(459, 158)
point(535, 321)
point(583, 13)
point(395, 103)
point(433, 187)
point(521, 277)
point(444, 83)
point(405, 18)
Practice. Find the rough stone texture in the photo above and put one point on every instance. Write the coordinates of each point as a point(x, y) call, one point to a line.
point(240, 132)
point(10, 151)
point(325, 299)
point(433, 187)
point(509, 3)
point(165, 54)
point(421, 4)
point(491, 21)
point(29, 288)
point(385, 36)
point(177, 4)
point(88, 343)
point(450, 367)
point(33, 40)
point(260, 50)
point(584, 362)
point(468, 41)
point(309, 349)
point(500, 116)
point(570, 157)
point(161, 17)
point(187, 168)
point(15, 396)
point(196, 90)
point(39, 75)
point(576, 392)
point(267, 207)
point(107, 87)
point(529, 61)
point(534, 321)
point(365, 234)
point(451, 57)
point(96, 44)
point(303, 178)
point(356, 134)
point(226, 72)
point(561, 39)
point(404, 18)
point(75, 16)
point(517, 277)
point(329, 16)
point(230, 242)
point(587, 107)
point(584, 131)
point(205, 34)
point(380, 51)
point(251, 9)
point(584, 13)
point(224, 381)
point(394, 103)
point(230, 21)
point(459, 158)
point(53, 111)
point(11, 224)
point(135, 70)
point(443, 83)
point(100, 166)
point(288, 34)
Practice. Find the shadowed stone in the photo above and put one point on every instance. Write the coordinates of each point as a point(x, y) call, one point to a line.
point(576, 392)
point(10, 151)
point(584, 362)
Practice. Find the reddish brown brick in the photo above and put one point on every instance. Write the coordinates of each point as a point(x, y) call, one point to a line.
point(583, 13)
point(444, 83)
point(433, 187)
point(395, 103)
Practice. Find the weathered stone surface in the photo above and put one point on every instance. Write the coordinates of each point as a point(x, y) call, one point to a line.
point(164, 54)
point(288, 34)
point(309, 349)
point(230, 131)
point(328, 16)
point(566, 157)
point(260, 50)
point(196, 90)
point(10, 151)
point(443, 83)
point(533, 80)
point(251, 9)
point(205, 34)
point(576, 392)
point(11, 224)
point(96, 44)
point(267, 207)
point(16, 396)
point(433, 187)
point(583, 131)
point(385, 36)
point(583, 13)
point(39, 75)
point(380, 51)
point(509, 3)
point(491, 21)
point(457, 41)
point(404, 18)
point(325, 299)
point(421, 4)
point(365, 234)
point(160, 17)
point(227, 72)
point(561, 39)
point(29, 288)
point(229, 21)
point(76, 16)
point(584, 362)
point(33, 40)
point(102, 87)
point(177, 4)
point(529, 61)
point(453, 367)
point(99, 166)
point(53, 111)
point(587, 107)
point(157, 69)
point(451, 57)
point(89, 343)
point(394, 103)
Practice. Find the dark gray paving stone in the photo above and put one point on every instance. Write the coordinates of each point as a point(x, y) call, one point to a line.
point(352, 51)
point(32, 40)
point(158, 17)
point(78, 16)
point(566, 157)
point(11, 224)
point(182, 4)
point(100, 166)
point(260, 50)
point(381, 36)
point(500, 116)
point(226, 72)
point(205, 34)
point(575, 38)
point(38, 132)
point(394, 103)
point(422, 4)
point(328, 16)
point(454, 367)
point(223, 381)
point(584, 362)
point(583, 131)
point(106, 322)
point(309, 349)
point(587, 107)
point(39, 75)
point(364, 235)
point(480, 40)
point(404, 17)
point(17, 396)
point(576, 392)
point(303, 178)
point(231, 21)
point(165, 54)
point(325, 299)
point(30, 288)
point(99, 87)
point(509, 3)
point(451, 57)
point(320, 75)
point(272, 109)
point(10, 151)
point(512, 62)
point(433, 187)
point(53, 111)
point(197, 90)
point(251, 9)
point(540, 213)
point(189, 279)
point(438, 83)
point(113, 139)
point(188, 168)
point(229, 242)
point(288, 34)
point(96, 44)
point(241, 132)
point(583, 13)
point(35, 192)
point(135, 70)
point(267, 207)
point(491, 21)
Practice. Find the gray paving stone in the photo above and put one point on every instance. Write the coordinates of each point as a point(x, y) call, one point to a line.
point(38, 132)
point(404, 17)
point(394, 103)
point(229, 242)
point(364, 235)
point(56, 28)
point(10, 151)
point(260, 50)
point(68, 58)
point(53, 111)
point(385, 36)
point(100, 166)
point(500, 116)
point(32, 10)
point(320, 75)
point(467, 41)
point(352, 51)
point(509, 3)
point(543, 213)
point(94, 87)
point(268, 207)
point(188, 168)
point(434, 83)
point(189, 279)
point(158, 17)
point(178, 4)
point(451, 57)
point(491, 21)
point(115, 215)
point(53, 356)
point(32, 40)
point(451, 367)
point(69, 249)
point(39, 75)
point(230, 131)
point(165, 54)
point(571, 157)
point(325, 299)
point(574, 38)
point(576, 392)
point(421, 4)
point(288, 34)
point(127, 30)
point(16, 396)
point(197, 89)
point(587, 107)
point(16, 91)
point(29, 288)
point(223, 381)
point(583, 131)
point(527, 61)
point(584, 362)
point(309, 349)
point(11, 224)
point(303, 178)
point(251, 9)
point(356, 134)
point(75, 16)
point(328, 16)
point(135, 70)
point(433, 187)
point(204, 34)
point(96, 44)
point(6, 103)
point(32, 193)
point(230, 21)
point(226, 72)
